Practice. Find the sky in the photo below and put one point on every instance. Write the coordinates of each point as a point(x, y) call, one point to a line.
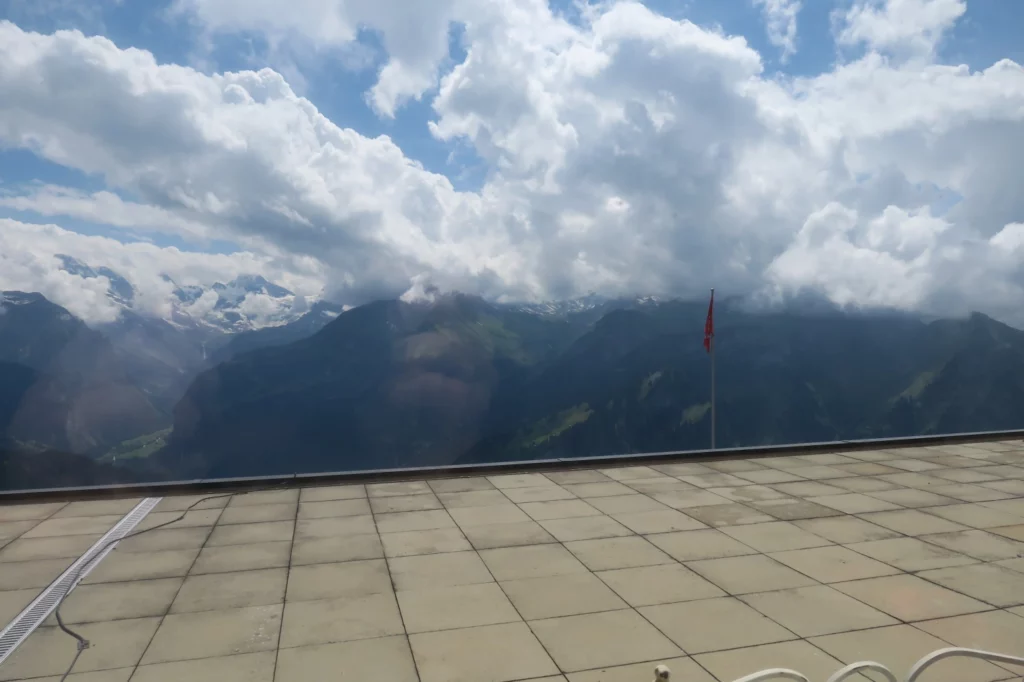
point(870, 152)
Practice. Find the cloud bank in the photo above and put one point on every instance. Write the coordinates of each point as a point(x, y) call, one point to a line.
point(625, 152)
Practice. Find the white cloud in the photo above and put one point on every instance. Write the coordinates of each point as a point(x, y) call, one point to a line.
point(28, 263)
point(627, 153)
point(780, 23)
point(901, 27)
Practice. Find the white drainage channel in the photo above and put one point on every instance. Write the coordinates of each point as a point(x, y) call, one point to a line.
point(42, 606)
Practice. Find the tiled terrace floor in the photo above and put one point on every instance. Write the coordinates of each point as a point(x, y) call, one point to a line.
point(718, 569)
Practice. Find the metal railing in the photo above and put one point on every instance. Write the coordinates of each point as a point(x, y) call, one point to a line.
point(864, 666)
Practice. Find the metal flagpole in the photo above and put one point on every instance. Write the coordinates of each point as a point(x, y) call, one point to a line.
point(712, 349)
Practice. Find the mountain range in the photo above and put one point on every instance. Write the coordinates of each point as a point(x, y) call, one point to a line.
point(461, 380)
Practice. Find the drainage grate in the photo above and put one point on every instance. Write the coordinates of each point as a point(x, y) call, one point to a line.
point(42, 606)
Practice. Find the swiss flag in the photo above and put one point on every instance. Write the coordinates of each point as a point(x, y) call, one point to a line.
point(709, 324)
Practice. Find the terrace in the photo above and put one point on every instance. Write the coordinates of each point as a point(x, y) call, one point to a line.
point(717, 568)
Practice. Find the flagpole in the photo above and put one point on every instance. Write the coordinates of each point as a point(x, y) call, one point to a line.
point(712, 349)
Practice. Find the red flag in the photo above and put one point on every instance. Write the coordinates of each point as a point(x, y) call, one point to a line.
point(709, 324)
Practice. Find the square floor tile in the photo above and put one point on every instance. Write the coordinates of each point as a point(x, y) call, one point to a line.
point(610, 553)
point(414, 520)
point(899, 647)
point(433, 541)
point(911, 554)
point(332, 492)
point(914, 480)
point(602, 639)
point(540, 493)
point(793, 509)
point(867, 469)
point(248, 533)
point(340, 620)
point(461, 606)
point(968, 492)
point(113, 644)
point(397, 488)
point(180, 503)
point(514, 563)
point(693, 545)
point(438, 570)
point(19, 575)
point(115, 601)
point(576, 476)
point(628, 504)
point(49, 548)
point(806, 489)
point(662, 521)
point(361, 660)
point(242, 557)
point(122, 566)
point(799, 656)
point(460, 485)
point(833, 564)
point(585, 528)
point(194, 519)
point(331, 550)
point(712, 480)
point(473, 498)
point(467, 517)
point(258, 667)
point(490, 653)
point(846, 529)
point(912, 522)
point(399, 503)
point(98, 507)
point(630, 473)
point(28, 512)
point(775, 536)
point(606, 488)
point(685, 499)
point(204, 634)
point(259, 513)
point(345, 579)
point(503, 481)
point(682, 668)
point(163, 539)
point(665, 484)
point(356, 507)
point(727, 515)
point(996, 585)
point(976, 516)
point(334, 527)
point(817, 610)
point(561, 595)
point(1012, 532)
point(910, 498)
point(755, 573)
point(768, 476)
point(290, 495)
point(910, 598)
point(978, 544)
point(854, 503)
point(818, 472)
point(507, 535)
point(749, 493)
point(998, 631)
point(217, 591)
point(12, 602)
point(863, 484)
point(558, 509)
point(76, 525)
point(719, 625)
point(663, 584)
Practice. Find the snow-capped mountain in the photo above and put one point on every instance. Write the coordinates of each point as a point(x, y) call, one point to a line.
point(245, 303)
point(582, 304)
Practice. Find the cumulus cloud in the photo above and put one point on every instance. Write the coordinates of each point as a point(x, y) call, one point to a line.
point(780, 23)
point(626, 152)
point(902, 27)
